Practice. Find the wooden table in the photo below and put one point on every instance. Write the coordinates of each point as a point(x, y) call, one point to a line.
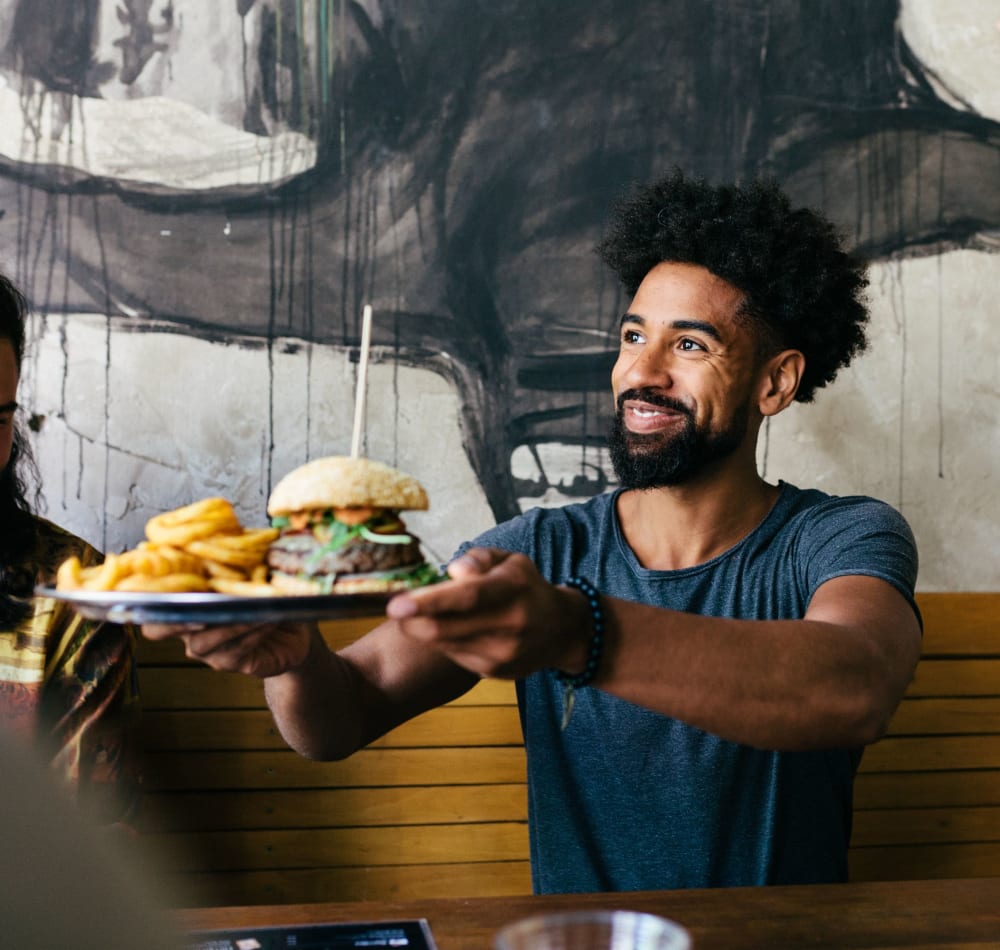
point(912, 914)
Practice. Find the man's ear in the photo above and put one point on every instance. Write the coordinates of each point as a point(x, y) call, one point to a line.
point(779, 381)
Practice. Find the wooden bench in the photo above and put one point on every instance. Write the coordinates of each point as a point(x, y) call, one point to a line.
point(927, 798)
point(438, 807)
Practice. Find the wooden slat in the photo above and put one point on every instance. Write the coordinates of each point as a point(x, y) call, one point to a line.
point(328, 808)
point(978, 677)
point(339, 633)
point(340, 847)
point(960, 623)
point(217, 729)
point(889, 790)
point(198, 688)
point(933, 753)
point(209, 729)
point(911, 862)
point(203, 688)
point(161, 653)
point(949, 716)
point(189, 771)
point(925, 825)
point(312, 885)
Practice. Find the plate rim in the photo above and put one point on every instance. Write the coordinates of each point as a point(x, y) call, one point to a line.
point(213, 607)
point(107, 598)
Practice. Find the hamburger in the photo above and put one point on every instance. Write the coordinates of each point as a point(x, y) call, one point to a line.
point(341, 530)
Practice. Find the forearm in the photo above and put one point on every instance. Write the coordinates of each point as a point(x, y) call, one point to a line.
point(315, 705)
point(739, 680)
point(778, 684)
point(333, 704)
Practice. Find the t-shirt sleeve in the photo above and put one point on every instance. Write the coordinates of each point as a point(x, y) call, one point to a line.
point(855, 535)
point(509, 535)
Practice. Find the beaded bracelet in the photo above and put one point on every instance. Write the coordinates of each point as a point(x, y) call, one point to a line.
point(570, 682)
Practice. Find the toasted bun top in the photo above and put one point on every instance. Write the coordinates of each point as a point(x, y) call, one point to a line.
point(339, 481)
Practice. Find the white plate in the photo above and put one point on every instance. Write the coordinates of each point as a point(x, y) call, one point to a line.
point(212, 608)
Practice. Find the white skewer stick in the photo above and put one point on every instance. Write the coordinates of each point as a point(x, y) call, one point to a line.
point(359, 396)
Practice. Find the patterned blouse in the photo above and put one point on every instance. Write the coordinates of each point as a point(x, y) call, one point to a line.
point(69, 686)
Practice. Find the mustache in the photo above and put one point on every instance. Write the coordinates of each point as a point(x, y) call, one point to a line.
point(654, 399)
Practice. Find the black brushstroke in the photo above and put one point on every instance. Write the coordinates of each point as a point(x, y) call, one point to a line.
point(140, 44)
point(54, 42)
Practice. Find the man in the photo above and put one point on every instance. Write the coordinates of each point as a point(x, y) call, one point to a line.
point(696, 718)
point(66, 684)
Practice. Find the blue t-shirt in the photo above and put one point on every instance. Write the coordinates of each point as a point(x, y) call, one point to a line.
point(629, 799)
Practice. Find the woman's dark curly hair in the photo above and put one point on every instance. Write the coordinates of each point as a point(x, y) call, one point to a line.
point(802, 289)
point(17, 527)
point(13, 308)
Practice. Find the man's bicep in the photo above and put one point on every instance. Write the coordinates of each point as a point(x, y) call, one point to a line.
point(876, 611)
point(858, 537)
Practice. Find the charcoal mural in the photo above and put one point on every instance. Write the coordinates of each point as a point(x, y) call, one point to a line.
point(248, 174)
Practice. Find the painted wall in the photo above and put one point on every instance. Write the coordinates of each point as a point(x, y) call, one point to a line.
point(199, 198)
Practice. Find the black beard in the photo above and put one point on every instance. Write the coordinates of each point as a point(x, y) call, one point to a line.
point(659, 461)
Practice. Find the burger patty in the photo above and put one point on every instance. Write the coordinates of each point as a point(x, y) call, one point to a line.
point(298, 553)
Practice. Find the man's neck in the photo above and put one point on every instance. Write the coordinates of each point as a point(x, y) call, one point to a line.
point(682, 526)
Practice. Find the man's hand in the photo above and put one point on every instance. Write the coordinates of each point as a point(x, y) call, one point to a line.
point(260, 650)
point(497, 617)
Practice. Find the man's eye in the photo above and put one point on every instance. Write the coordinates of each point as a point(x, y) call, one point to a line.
point(689, 344)
point(631, 336)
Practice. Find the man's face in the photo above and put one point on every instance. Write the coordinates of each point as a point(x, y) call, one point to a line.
point(8, 400)
point(683, 379)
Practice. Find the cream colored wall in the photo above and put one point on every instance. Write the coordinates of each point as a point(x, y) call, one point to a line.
point(914, 420)
point(177, 418)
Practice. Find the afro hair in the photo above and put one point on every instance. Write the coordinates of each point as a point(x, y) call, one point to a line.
point(801, 287)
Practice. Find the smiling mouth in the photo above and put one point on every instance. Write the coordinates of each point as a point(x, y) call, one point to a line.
point(646, 411)
point(645, 417)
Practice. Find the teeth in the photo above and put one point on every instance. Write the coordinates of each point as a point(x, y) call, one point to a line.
point(646, 413)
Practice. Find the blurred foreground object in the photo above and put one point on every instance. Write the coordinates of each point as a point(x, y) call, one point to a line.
point(64, 885)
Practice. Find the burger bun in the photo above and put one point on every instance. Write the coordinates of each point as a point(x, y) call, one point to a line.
point(339, 481)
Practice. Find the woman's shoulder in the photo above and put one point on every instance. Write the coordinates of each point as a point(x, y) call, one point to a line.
point(54, 544)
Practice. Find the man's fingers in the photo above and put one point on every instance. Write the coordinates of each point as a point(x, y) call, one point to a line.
point(482, 579)
point(255, 649)
point(453, 628)
point(201, 642)
point(476, 561)
point(470, 594)
point(213, 641)
point(160, 631)
point(445, 597)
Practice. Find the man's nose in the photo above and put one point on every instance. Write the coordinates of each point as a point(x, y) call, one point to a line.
point(649, 368)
